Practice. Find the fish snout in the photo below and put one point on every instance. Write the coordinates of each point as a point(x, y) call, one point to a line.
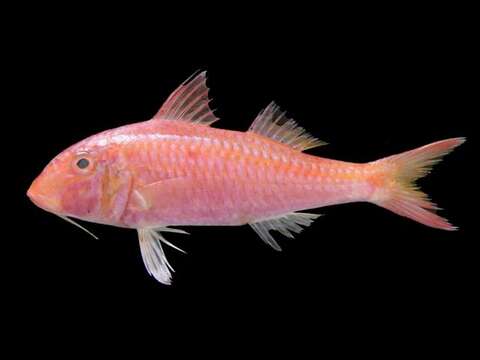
point(40, 195)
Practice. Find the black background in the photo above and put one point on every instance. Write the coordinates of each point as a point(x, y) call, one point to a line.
point(370, 86)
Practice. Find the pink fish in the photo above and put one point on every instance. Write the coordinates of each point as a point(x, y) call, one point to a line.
point(177, 170)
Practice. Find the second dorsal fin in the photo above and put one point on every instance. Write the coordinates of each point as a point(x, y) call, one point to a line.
point(189, 102)
point(273, 123)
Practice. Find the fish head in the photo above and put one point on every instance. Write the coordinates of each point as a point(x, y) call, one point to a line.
point(84, 181)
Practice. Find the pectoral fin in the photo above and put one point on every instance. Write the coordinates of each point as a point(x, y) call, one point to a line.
point(166, 193)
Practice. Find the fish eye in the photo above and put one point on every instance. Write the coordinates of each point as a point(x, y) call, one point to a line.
point(83, 163)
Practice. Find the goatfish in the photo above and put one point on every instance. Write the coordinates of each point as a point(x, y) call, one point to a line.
point(175, 170)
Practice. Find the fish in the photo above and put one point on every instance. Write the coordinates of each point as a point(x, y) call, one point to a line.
point(177, 170)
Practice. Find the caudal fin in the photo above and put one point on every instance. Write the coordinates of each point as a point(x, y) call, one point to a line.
point(399, 192)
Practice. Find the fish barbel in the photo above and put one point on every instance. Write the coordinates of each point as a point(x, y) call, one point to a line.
point(176, 169)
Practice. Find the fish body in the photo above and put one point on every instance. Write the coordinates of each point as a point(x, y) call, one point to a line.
point(177, 170)
point(188, 174)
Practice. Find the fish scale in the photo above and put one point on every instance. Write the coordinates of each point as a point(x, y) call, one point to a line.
point(237, 168)
point(177, 170)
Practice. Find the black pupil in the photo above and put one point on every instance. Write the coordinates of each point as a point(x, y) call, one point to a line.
point(82, 163)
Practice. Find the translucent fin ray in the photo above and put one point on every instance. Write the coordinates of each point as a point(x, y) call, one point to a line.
point(285, 224)
point(401, 195)
point(189, 102)
point(273, 123)
point(153, 254)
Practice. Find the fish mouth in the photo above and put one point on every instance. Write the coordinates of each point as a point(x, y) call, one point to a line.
point(43, 201)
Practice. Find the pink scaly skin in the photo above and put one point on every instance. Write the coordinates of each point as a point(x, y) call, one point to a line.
point(200, 176)
point(207, 176)
point(176, 170)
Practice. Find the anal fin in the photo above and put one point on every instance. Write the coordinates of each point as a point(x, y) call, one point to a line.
point(285, 224)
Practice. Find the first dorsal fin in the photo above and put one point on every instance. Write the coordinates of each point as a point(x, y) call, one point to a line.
point(273, 123)
point(189, 102)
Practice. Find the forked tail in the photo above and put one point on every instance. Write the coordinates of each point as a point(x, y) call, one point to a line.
point(397, 190)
